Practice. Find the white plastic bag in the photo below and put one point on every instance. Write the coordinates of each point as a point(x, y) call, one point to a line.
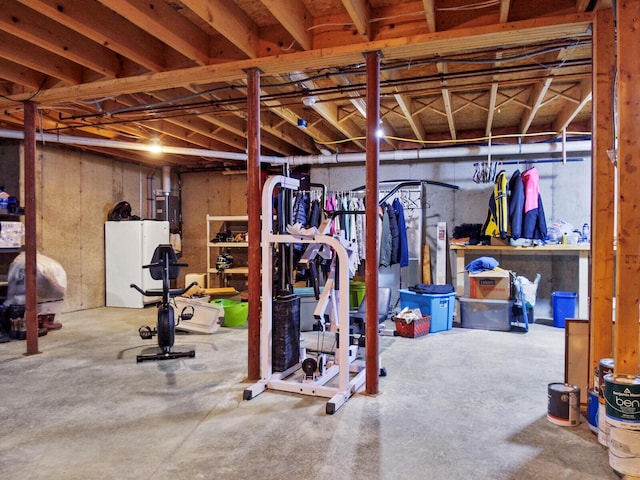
point(51, 280)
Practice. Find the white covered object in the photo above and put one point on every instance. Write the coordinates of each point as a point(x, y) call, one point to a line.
point(207, 317)
point(51, 280)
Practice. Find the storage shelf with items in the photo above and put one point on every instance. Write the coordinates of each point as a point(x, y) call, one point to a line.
point(227, 251)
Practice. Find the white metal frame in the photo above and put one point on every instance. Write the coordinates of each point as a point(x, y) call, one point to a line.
point(337, 301)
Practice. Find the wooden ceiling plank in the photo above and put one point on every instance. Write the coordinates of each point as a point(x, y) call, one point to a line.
point(569, 111)
point(430, 14)
point(28, 55)
point(105, 27)
point(535, 100)
point(37, 29)
point(21, 75)
point(358, 11)
point(493, 96)
point(419, 45)
point(329, 111)
point(164, 23)
point(416, 127)
point(295, 18)
point(504, 10)
point(230, 21)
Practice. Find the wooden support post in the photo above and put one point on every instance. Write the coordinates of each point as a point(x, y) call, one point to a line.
point(31, 292)
point(602, 193)
point(253, 207)
point(628, 246)
point(372, 356)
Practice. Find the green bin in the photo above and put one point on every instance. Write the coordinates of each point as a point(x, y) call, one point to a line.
point(235, 313)
point(356, 294)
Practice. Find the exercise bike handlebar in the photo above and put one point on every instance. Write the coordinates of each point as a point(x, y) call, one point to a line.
point(156, 293)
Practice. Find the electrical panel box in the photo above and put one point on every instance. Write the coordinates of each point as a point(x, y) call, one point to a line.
point(168, 209)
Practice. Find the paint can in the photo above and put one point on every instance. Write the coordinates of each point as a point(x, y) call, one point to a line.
point(563, 404)
point(605, 367)
point(603, 425)
point(622, 400)
point(593, 405)
point(624, 451)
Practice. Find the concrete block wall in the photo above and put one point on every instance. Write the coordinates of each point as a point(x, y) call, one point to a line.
point(76, 190)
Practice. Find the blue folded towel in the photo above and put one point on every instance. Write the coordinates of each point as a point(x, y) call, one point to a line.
point(481, 264)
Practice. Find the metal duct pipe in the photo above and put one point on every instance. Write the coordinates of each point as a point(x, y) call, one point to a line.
point(99, 142)
point(462, 152)
point(166, 180)
point(546, 149)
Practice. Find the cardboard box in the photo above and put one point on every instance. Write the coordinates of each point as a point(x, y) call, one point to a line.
point(490, 285)
point(11, 234)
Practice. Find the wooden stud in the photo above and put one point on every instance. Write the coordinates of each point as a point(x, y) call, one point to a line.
point(602, 192)
point(628, 227)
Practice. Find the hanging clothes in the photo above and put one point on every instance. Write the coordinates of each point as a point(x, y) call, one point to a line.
point(516, 205)
point(496, 223)
point(403, 258)
point(395, 234)
point(534, 224)
point(385, 237)
point(361, 229)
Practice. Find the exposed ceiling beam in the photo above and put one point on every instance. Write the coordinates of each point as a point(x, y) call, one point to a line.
point(329, 111)
point(569, 111)
point(441, 43)
point(504, 10)
point(167, 25)
point(105, 27)
point(405, 105)
point(535, 100)
point(228, 19)
point(493, 96)
point(295, 18)
point(21, 75)
point(358, 11)
point(34, 28)
point(26, 54)
point(446, 98)
point(430, 14)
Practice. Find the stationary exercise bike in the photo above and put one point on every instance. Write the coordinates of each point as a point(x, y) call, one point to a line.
point(164, 266)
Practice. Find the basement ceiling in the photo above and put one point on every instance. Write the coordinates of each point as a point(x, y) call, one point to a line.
point(175, 72)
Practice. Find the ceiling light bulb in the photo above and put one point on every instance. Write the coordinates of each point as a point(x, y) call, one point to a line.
point(309, 101)
point(155, 147)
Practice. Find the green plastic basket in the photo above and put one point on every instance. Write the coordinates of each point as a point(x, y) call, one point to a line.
point(235, 313)
point(356, 294)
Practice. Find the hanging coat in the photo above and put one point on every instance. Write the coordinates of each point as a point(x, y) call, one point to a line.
point(402, 227)
point(395, 234)
point(497, 222)
point(516, 205)
point(534, 224)
point(385, 237)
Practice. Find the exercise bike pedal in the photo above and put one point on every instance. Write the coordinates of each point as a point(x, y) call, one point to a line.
point(146, 333)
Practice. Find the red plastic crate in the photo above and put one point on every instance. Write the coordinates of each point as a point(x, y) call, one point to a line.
point(416, 328)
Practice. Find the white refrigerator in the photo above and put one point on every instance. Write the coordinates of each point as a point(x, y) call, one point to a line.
point(128, 246)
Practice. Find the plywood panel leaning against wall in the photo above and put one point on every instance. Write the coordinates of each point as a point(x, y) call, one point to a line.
point(603, 192)
point(628, 245)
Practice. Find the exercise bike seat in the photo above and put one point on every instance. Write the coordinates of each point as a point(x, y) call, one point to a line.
point(164, 266)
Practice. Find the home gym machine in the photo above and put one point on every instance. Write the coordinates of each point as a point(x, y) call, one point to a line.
point(164, 266)
point(337, 379)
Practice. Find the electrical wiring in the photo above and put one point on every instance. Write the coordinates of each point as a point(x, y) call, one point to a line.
point(454, 141)
point(32, 96)
point(473, 6)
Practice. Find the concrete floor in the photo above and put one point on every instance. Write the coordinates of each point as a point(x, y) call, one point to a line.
point(455, 405)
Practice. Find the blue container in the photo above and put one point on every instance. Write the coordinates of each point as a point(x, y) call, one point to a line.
point(564, 306)
point(439, 306)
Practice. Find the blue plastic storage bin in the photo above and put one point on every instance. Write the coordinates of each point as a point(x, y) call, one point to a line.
point(439, 306)
point(564, 306)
